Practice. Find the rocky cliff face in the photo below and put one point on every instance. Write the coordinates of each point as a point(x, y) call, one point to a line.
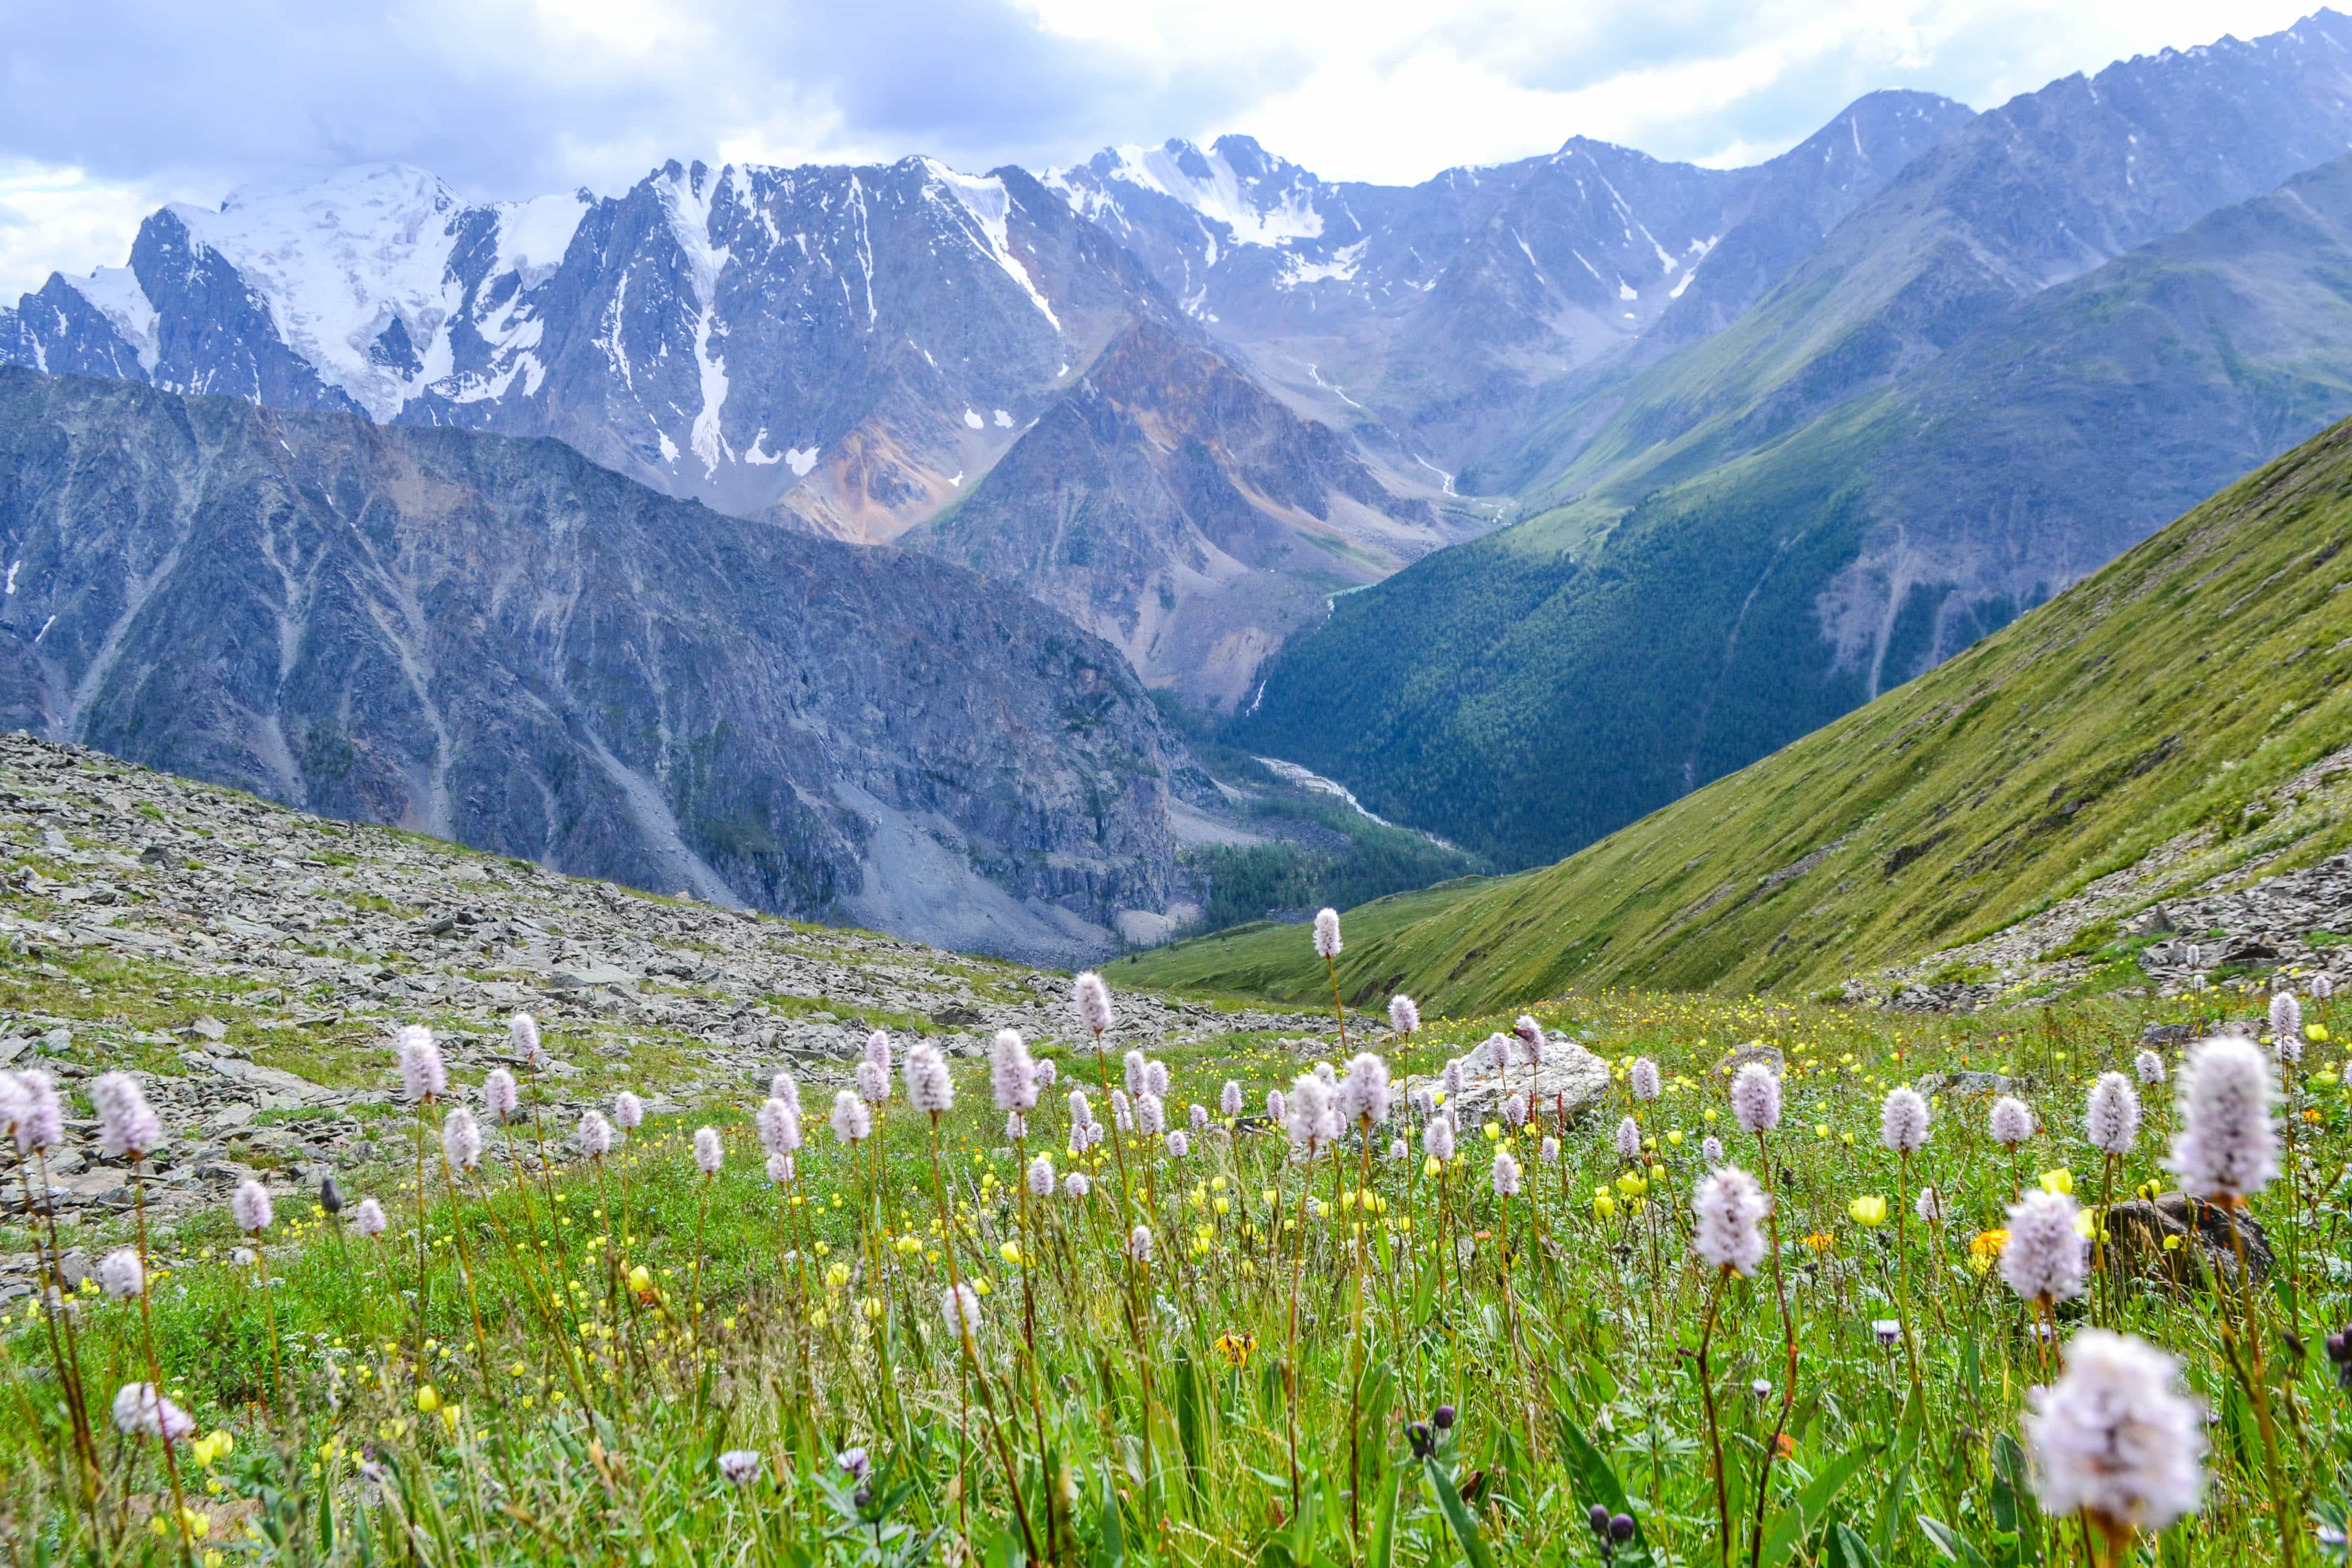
point(851, 344)
point(1170, 504)
point(1437, 318)
point(495, 641)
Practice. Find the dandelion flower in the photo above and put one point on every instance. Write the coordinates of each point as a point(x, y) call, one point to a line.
point(1404, 1014)
point(368, 1218)
point(1903, 1121)
point(127, 1125)
point(709, 1153)
point(1011, 1074)
point(930, 1088)
point(1728, 1209)
point(2012, 1122)
point(2111, 1117)
point(628, 1112)
point(1629, 1139)
point(2150, 1067)
point(961, 1307)
point(122, 1274)
point(423, 1076)
point(2043, 1258)
point(1643, 1080)
point(461, 1139)
point(2118, 1437)
point(1091, 998)
point(1326, 934)
point(596, 1134)
point(2226, 1147)
point(1756, 1099)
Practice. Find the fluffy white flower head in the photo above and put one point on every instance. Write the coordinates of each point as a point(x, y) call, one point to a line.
point(2226, 1147)
point(852, 1122)
point(2045, 1257)
point(1643, 1080)
point(1728, 1210)
point(2116, 1435)
point(1756, 1099)
point(127, 1124)
point(2012, 1122)
point(461, 1139)
point(1326, 934)
point(2111, 1116)
point(709, 1153)
point(249, 1205)
point(930, 1088)
point(1903, 1121)
point(1011, 1072)
point(1091, 998)
point(1404, 1014)
point(423, 1076)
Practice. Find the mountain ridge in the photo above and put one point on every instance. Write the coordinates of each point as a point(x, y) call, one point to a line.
point(2183, 699)
point(494, 640)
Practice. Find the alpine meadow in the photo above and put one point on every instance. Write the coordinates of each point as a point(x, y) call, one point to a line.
point(960, 839)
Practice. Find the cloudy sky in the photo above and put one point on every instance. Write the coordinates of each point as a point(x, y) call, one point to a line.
point(110, 107)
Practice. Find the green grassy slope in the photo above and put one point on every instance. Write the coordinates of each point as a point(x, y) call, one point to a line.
point(2165, 692)
point(1527, 693)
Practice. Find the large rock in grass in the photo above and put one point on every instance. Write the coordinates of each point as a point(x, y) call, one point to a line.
point(2137, 1232)
point(1569, 1078)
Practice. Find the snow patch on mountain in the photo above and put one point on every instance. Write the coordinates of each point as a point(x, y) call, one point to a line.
point(337, 262)
point(989, 206)
point(115, 291)
point(1208, 182)
point(687, 197)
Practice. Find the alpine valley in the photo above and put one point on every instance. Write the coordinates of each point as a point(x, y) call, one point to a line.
point(938, 551)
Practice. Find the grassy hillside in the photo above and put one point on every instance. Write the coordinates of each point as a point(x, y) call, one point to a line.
point(2164, 693)
point(1526, 694)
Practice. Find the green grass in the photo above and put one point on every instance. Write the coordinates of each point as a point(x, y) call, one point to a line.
point(2168, 694)
point(1146, 1413)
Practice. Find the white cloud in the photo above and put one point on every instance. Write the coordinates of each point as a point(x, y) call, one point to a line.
point(116, 105)
point(61, 220)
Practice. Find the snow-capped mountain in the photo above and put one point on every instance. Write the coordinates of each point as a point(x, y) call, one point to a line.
point(1434, 314)
point(851, 344)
